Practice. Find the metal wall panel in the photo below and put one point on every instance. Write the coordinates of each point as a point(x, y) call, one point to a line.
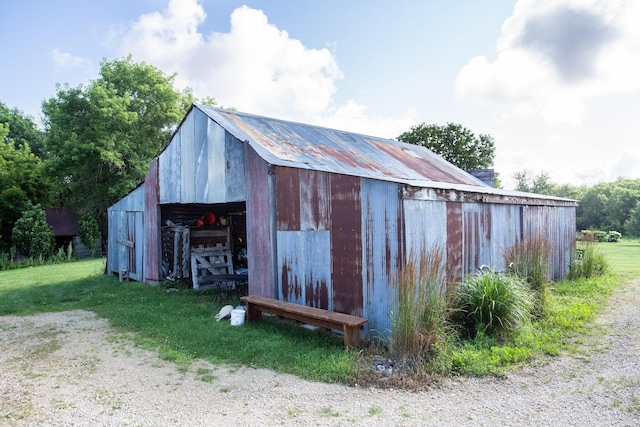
point(506, 231)
point(315, 200)
point(287, 198)
point(346, 244)
point(235, 182)
point(304, 264)
point(152, 239)
point(382, 252)
point(557, 225)
point(203, 154)
point(187, 160)
point(424, 225)
point(216, 164)
point(169, 175)
point(455, 242)
point(477, 242)
point(260, 226)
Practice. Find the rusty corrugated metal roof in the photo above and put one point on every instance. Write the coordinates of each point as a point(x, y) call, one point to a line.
point(285, 143)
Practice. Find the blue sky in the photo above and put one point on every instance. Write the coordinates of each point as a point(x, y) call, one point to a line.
point(554, 82)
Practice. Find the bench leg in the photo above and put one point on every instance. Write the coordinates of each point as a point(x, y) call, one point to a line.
point(253, 313)
point(351, 336)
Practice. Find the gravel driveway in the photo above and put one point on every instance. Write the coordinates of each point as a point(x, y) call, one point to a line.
point(70, 368)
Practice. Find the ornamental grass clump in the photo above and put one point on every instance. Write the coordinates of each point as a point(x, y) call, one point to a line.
point(492, 303)
point(592, 262)
point(529, 260)
point(419, 317)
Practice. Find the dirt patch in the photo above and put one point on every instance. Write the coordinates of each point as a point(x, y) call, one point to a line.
point(70, 368)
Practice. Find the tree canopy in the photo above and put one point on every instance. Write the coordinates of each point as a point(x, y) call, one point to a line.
point(22, 178)
point(457, 144)
point(101, 137)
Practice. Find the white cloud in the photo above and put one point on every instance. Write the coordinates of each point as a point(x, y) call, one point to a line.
point(554, 56)
point(255, 67)
point(67, 60)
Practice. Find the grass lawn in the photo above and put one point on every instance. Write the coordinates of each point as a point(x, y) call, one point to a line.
point(624, 256)
point(181, 325)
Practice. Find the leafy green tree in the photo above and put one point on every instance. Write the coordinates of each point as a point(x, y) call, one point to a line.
point(457, 144)
point(89, 232)
point(608, 206)
point(540, 184)
point(32, 235)
point(632, 226)
point(101, 138)
point(22, 130)
point(22, 177)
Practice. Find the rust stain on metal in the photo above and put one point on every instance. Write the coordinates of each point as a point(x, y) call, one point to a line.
point(424, 166)
point(346, 244)
point(314, 200)
point(288, 198)
point(317, 294)
point(454, 242)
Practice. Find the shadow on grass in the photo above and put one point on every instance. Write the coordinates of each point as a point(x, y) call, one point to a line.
point(181, 324)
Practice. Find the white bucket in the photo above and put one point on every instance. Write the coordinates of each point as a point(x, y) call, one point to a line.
point(237, 317)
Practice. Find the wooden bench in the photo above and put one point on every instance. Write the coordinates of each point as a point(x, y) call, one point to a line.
point(347, 323)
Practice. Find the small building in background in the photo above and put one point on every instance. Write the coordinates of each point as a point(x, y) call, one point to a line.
point(65, 229)
point(318, 216)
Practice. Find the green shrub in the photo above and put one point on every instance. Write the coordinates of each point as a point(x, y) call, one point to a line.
point(529, 260)
point(492, 303)
point(419, 318)
point(32, 235)
point(613, 236)
point(588, 262)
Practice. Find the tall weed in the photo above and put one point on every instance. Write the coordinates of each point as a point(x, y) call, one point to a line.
point(419, 318)
point(529, 260)
point(591, 263)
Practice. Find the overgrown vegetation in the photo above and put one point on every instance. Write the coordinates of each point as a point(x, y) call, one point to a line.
point(419, 320)
point(590, 263)
point(529, 260)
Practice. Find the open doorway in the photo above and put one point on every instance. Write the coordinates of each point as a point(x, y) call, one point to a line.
point(205, 245)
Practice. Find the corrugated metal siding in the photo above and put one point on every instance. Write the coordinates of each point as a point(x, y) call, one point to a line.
point(557, 224)
point(187, 164)
point(346, 244)
point(455, 242)
point(477, 241)
point(260, 226)
point(117, 258)
point(235, 186)
point(382, 251)
point(304, 263)
point(152, 238)
point(506, 230)
point(202, 164)
point(287, 198)
point(315, 206)
point(424, 225)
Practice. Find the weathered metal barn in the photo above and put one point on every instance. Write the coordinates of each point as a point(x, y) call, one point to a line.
point(318, 216)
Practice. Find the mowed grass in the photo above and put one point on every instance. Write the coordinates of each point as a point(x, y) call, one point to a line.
point(624, 256)
point(180, 325)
